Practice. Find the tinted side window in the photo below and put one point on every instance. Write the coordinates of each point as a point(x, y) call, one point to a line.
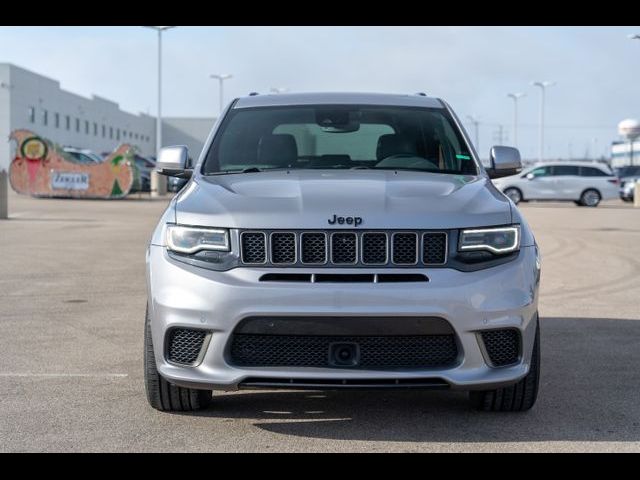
point(592, 172)
point(539, 172)
point(564, 170)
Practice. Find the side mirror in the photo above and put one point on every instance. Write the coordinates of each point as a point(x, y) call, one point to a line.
point(174, 162)
point(530, 176)
point(505, 161)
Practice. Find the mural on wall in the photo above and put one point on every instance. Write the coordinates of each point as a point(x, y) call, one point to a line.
point(43, 169)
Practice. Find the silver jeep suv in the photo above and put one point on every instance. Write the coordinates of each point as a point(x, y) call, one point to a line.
point(340, 241)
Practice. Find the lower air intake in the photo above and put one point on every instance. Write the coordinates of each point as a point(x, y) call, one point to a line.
point(184, 345)
point(502, 346)
point(373, 352)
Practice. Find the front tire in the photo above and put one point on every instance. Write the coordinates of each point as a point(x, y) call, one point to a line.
point(163, 395)
point(519, 397)
point(590, 198)
point(514, 194)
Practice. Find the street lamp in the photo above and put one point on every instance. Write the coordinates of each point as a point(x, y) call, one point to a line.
point(543, 86)
point(221, 78)
point(159, 185)
point(476, 124)
point(515, 97)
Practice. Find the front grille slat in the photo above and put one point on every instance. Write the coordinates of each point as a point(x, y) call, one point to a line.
point(314, 248)
point(374, 248)
point(379, 352)
point(405, 248)
point(434, 248)
point(344, 248)
point(283, 248)
point(254, 247)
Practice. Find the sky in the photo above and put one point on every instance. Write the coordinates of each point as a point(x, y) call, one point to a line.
point(473, 68)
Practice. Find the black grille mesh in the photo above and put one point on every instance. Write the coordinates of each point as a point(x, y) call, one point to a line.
point(314, 248)
point(254, 247)
point(343, 248)
point(502, 346)
point(283, 247)
point(404, 248)
point(434, 248)
point(184, 345)
point(380, 352)
point(374, 248)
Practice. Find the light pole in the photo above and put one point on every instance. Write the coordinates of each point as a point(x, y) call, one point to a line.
point(543, 86)
point(476, 124)
point(634, 36)
point(515, 97)
point(221, 78)
point(159, 184)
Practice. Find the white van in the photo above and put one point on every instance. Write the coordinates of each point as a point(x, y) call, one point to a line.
point(585, 183)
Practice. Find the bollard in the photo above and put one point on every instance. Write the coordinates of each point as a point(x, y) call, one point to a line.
point(4, 200)
point(636, 194)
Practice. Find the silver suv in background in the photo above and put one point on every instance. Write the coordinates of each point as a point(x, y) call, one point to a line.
point(584, 183)
point(340, 240)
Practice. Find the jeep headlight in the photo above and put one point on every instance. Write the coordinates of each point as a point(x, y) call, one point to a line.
point(496, 240)
point(183, 239)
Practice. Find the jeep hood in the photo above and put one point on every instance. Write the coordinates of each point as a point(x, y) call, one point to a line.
point(306, 199)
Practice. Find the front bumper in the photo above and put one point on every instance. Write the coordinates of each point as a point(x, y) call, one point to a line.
point(181, 295)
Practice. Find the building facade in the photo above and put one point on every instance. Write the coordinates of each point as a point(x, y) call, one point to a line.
point(623, 155)
point(37, 103)
point(191, 132)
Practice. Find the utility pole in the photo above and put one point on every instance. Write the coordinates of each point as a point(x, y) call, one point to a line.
point(499, 136)
point(476, 125)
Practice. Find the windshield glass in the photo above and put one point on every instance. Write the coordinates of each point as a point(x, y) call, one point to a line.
point(339, 137)
point(85, 158)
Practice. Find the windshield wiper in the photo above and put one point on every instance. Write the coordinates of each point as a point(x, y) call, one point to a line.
point(407, 169)
point(248, 170)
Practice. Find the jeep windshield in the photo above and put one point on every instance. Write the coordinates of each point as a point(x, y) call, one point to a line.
point(338, 137)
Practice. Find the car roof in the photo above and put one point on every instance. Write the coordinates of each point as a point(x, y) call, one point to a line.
point(338, 98)
point(602, 166)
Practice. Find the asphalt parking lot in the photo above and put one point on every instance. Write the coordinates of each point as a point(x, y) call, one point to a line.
point(72, 300)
